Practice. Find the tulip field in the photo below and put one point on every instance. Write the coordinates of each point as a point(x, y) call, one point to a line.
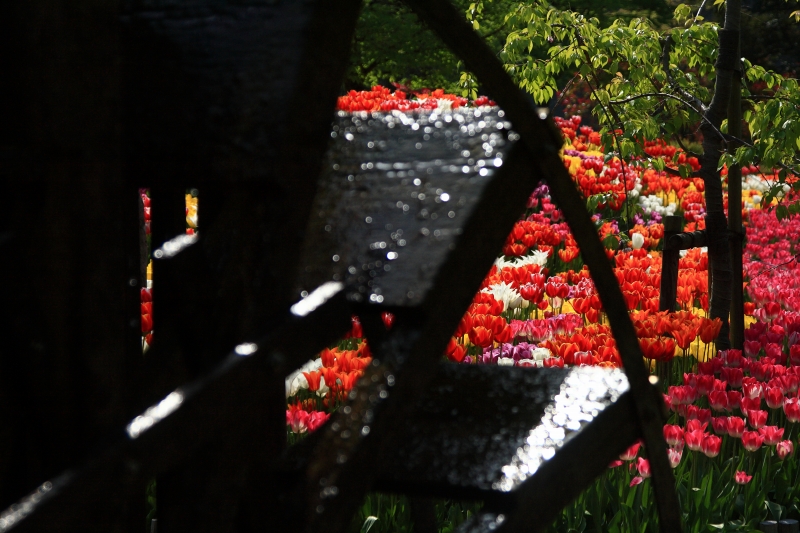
point(734, 415)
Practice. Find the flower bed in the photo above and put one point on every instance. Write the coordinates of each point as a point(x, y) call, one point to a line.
point(734, 414)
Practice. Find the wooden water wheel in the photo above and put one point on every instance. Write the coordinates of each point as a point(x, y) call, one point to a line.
point(236, 98)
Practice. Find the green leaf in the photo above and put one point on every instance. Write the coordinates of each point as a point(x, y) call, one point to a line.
point(775, 509)
point(781, 212)
point(368, 523)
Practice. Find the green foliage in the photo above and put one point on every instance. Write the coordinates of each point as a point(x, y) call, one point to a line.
point(392, 46)
point(389, 513)
point(647, 82)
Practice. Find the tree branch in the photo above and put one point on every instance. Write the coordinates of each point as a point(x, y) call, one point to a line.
point(666, 46)
point(672, 96)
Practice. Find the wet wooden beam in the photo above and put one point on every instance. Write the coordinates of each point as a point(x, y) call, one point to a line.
point(229, 404)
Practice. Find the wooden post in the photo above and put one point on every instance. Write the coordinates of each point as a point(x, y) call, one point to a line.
point(69, 241)
point(669, 265)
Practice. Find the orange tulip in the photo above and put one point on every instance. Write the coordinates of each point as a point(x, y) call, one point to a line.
point(709, 329)
point(480, 336)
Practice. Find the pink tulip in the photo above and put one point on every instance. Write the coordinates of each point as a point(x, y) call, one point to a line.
point(751, 440)
point(756, 419)
point(673, 434)
point(774, 397)
point(742, 478)
point(674, 457)
point(772, 434)
point(630, 453)
point(720, 425)
point(694, 439)
point(643, 467)
point(711, 445)
point(784, 448)
point(735, 426)
point(792, 409)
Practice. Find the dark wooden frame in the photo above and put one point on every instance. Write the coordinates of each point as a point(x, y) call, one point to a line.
point(190, 105)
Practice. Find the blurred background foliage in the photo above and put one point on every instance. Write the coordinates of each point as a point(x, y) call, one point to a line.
point(392, 48)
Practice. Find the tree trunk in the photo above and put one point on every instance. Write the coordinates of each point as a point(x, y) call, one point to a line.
point(735, 213)
point(713, 145)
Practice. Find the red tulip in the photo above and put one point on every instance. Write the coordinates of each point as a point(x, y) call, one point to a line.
point(774, 397)
point(709, 329)
point(316, 419)
point(694, 424)
point(734, 400)
point(756, 419)
point(711, 445)
point(553, 362)
point(772, 434)
point(792, 409)
point(791, 382)
point(752, 388)
point(718, 400)
point(328, 358)
point(705, 384)
point(733, 376)
point(701, 415)
point(694, 439)
point(630, 453)
point(742, 478)
point(720, 425)
point(297, 420)
point(147, 323)
point(454, 351)
point(794, 355)
point(735, 426)
point(751, 440)
point(643, 467)
point(751, 348)
point(750, 404)
point(673, 435)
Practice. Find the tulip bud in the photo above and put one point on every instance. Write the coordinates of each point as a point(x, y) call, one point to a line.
point(784, 448)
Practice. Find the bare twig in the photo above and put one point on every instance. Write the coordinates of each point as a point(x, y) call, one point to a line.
point(698, 11)
point(770, 268)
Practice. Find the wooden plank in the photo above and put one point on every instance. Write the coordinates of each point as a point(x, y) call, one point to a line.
point(234, 98)
point(344, 454)
point(227, 404)
point(69, 243)
point(395, 194)
point(466, 431)
point(669, 265)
